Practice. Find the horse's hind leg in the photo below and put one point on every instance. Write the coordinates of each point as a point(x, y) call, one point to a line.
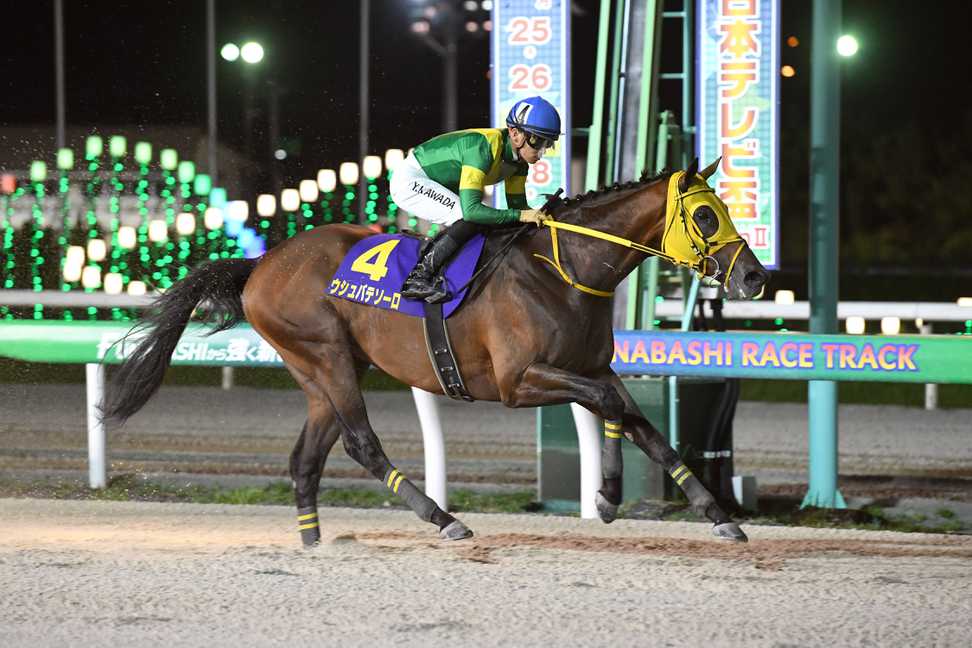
point(334, 374)
point(316, 439)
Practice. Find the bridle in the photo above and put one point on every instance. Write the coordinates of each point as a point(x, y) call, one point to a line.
point(702, 248)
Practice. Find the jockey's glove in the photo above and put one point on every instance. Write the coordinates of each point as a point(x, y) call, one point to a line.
point(533, 216)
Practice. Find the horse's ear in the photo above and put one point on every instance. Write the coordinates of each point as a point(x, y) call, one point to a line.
point(686, 180)
point(709, 170)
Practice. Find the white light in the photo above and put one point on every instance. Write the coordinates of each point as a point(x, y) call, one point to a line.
point(487, 5)
point(91, 277)
point(97, 249)
point(289, 200)
point(847, 45)
point(393, 157)
point(469, 5)
point(230, 52)
point(185, 224)
point(371, 167)
point(919, 323)
point(280, 154)
point(964, 302)
point(237, 210)
point(113, 283)
point(213, 218)
point(72, 271)
point(252, 52)
point(348, 173)
point(158, 231)
point(784, 297)
point(430, 12)
point(471, 26)
point(75, 256)
point(326, 180)
point(890, 325)
point(266, 205)
point(308, 190)
point(127, 237)
point(420, 27)
point(855, 325)
point(136, 288)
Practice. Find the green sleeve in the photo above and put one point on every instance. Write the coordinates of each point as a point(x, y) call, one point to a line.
point(476, 162)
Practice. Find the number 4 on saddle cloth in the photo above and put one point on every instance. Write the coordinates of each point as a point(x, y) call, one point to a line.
point(374, 270)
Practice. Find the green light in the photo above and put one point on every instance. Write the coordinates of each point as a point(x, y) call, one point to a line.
point(93, 146)
point(230, 52)
point(143, 152)
point(187, 171)
point(168, 159)
point(847, 46)
point(349, 195)
point(65, 159)
point(778, 321)
point(217, 197)
point(203, 185)
point(251, 52)
point(38, 171)
point(117, 146)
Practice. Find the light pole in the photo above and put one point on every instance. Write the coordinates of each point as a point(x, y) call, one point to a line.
point(441, 20)
point(824, 243)
point(251, 53)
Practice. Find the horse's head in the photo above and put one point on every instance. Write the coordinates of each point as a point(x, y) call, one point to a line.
point(700, 234)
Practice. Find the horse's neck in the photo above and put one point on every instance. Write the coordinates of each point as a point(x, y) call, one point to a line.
point(638, 215)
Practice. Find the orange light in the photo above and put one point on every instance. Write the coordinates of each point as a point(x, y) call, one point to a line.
point(787, 71)
point(793, 41)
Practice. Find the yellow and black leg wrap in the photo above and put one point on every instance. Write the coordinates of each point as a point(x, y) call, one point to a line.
point(309, 526)
point(423, 506)
point(697, 494)
point(609, 496)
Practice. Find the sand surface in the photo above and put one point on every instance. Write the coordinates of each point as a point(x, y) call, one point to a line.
point(145, 574)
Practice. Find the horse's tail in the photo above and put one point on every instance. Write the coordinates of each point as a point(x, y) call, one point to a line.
point(220, 285)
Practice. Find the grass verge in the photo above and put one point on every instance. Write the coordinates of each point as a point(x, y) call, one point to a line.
point(128, 487)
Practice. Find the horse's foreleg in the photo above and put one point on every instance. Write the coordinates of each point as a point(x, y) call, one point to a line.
point(650, 440)
point(306, 465)
point(546, 385)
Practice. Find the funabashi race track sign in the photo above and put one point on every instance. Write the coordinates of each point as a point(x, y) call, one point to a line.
point(795, 356)
point(737, 102)
point(531, 56)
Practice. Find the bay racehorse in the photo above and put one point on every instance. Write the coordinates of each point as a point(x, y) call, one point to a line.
point(534, 330)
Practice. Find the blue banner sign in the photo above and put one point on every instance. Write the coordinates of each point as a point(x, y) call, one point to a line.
point(531, 56)
point(737, 99)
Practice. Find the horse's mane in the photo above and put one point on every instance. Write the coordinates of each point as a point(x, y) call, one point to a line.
point(602, 195)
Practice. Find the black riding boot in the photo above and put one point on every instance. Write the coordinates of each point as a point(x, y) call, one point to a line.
point(422, 282)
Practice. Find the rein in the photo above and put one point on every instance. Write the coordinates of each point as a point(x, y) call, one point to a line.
point(698, 264)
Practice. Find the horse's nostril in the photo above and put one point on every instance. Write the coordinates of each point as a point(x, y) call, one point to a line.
point(755, 278)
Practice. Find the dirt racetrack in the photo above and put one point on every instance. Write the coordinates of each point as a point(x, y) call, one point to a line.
point(147, 574)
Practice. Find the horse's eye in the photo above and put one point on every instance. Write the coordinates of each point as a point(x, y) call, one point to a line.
point(706, 219)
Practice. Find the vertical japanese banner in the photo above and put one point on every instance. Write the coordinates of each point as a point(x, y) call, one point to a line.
point(530, 56)
point(738, 114)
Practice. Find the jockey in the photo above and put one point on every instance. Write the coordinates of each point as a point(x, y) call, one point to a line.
point(442, 181)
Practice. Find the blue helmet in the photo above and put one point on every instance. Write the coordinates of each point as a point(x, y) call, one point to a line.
point(536, 116)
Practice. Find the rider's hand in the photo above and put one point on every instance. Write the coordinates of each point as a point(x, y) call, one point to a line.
point(532, 216)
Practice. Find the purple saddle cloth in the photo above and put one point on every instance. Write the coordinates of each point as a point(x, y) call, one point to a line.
point(374, 270)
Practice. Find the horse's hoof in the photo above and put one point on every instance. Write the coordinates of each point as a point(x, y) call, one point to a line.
point(455, 531)
point(729, 531)
point(607, 511)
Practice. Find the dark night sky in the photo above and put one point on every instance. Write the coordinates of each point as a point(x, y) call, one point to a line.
point(143, 63)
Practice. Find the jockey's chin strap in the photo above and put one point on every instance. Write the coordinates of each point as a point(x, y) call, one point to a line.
point(685, 246)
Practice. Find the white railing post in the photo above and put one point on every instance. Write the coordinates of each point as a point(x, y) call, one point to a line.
point(95, 389)
point(434, 446)
point(589, 443)
point(931, 389)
